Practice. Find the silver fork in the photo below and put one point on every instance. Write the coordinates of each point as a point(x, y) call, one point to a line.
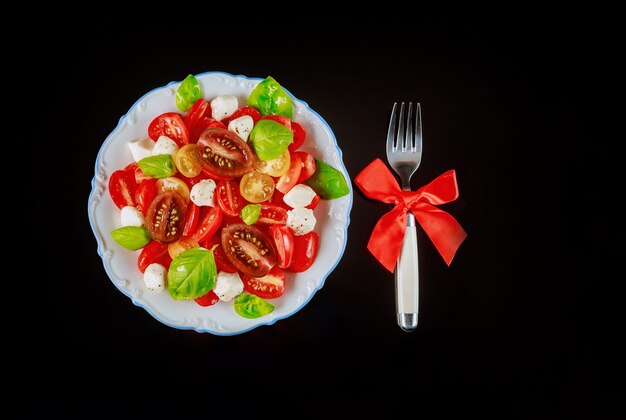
point(404, 154)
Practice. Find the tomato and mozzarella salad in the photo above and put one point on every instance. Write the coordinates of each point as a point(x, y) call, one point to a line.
point(220, 200)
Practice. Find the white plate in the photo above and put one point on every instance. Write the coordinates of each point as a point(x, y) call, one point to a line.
point(121, 265)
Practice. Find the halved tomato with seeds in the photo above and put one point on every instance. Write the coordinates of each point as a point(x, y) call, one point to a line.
point(271, 215)
point(166, 217)
point(249, 249)
point(229, 198)
point(270, 286)
point(172, 125)
point(224, 153)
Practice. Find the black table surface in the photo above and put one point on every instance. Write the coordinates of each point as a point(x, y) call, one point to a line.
point(501, 327)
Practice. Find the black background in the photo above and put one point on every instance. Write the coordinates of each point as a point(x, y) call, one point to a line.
point(508, 328)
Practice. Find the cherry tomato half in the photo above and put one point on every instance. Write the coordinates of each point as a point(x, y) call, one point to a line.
point(122, 188)
point(287, 181)
point(308, 166)
point(203, 123)
point(249, 249)
point(246, 110)
point(209, 223)
point(284, 243)
point(229, 198)
point(145, 193)
point(154, 252)
point(170, 124)
point(224, 153)
point(166, 217)
point(221, 260)
point(199, 109)
point(256, 187)
point(304, 252)
point(270, 286)
point(272, 215)
point(299, 135)
point(207, 300)
point(191, 220)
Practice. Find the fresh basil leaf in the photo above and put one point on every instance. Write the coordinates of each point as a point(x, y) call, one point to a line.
point(192, 274)
point(250, 213)
point(270, 139)
point(327, 182)
point(131, 237)
point(188, 93)
point(158, 166)
point(252, 306)
point(271, 99)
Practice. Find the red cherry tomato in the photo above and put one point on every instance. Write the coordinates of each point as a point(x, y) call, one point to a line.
point(284, 242)
point(224, 153)
point(271, 215)
point(286, 121)
point(277, 200)
point(154, 252)
point(203, 123)
point(137, 172)
point(209, 223)
point(145, 193)
point(249, 249)
point(314, 202)
point(287, 181)
point(191, 220)
point(246, 110)
point(122, 188)
point(304, 252)
point(299, 135)
point(170, 124)
point(207, 300)
point(308, 166)
point(270, 286)
point(229, 198)
point(221, 260)
point(199, 109)
point(214, 176)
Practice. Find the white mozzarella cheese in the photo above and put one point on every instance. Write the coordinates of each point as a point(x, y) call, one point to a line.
point(131, 217)
point(165, 146)
point(300, 195)
point(154, 277)
point(301, 220)
point(242, 126)
point(223, 107)
point(228, 286)
point(141, 148)
point(202, 193)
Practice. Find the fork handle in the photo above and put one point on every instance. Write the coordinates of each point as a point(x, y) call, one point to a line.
point(407, 279)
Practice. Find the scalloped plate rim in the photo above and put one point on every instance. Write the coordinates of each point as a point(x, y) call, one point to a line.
point(146, 306)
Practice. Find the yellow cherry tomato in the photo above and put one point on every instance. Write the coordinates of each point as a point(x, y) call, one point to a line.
point(274, 167)
point(186, 161)
point(256, 187)
point(173, 184)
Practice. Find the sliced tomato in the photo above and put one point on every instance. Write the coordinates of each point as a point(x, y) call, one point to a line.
point(145, 193)
point(286, 121)
point(249, 249)
point(209, 223)
point(181, 245)
point(122, 188)
point(256, 187)
point(207, 300)
point(191, 220)
point(172, 125)
point(277, 200)
point(138, 173)
point(214, 176)
point(229, 198)
point(304, 252)
point(308, 166)
point(224, 153)
point(246, 110)
point(270, 286)
point(299, 135)
point(154, 252)
point(287, 181)
point(203, 123)
point(284, 243)
point(166, 217)
point(221, 260)
point(199, 109)
point(314, 202)
point(172, 183)
point(272, 215)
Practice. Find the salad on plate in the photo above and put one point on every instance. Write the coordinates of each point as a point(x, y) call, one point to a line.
point(219, 199)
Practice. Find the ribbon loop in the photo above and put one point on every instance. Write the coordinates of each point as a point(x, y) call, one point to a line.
point(378, 183)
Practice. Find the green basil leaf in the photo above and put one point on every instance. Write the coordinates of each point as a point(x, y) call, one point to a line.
point(131, 237)
point(271, 99)
point(250, 213)
point(158, 166)
point(251, 306)
point(188, 93)
point(327, 181)
point(192, 274)
point(270, 139)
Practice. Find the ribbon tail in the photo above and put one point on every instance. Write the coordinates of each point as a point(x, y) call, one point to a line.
point(443, 230)
point(386, 240)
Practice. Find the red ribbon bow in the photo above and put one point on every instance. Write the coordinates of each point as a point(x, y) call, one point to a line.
point(377, 182)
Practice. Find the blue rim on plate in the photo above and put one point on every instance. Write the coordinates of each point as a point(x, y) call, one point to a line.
point(147, 308)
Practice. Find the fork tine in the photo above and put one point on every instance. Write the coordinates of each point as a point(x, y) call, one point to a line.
point(401, 138)
point(418, 129)
point(410, 140)
point(391, 132)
